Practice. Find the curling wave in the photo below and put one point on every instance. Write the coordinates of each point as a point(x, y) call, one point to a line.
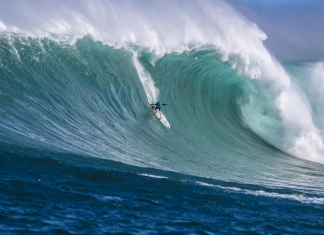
point(80, 83)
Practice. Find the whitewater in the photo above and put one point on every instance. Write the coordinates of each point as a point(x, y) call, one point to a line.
point(75, 80)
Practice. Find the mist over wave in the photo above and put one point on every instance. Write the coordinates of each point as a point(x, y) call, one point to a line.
point(85, 71)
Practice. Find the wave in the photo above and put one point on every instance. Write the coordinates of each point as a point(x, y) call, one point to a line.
point(79, 82)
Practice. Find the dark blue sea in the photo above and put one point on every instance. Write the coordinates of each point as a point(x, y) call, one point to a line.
point(82, 153)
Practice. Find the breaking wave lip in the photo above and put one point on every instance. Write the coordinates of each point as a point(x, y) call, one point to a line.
point(172, 27)
point(296, 197)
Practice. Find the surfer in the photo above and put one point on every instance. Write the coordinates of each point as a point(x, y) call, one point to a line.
point(157, 106)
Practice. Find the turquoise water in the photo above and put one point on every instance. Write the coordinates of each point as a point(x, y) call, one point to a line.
point(82, 153)
point(79, 142)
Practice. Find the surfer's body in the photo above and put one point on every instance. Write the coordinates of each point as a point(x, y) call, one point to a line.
point(157, 111)
point(158, 106)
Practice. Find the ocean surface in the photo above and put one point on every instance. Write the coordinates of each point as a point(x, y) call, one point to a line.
point(82, 153)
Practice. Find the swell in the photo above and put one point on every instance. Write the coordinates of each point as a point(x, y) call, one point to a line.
point(87, 99)
point(159, 28)
point(62, 98)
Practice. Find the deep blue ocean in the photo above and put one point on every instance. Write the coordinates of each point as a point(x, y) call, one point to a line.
point(82, 153)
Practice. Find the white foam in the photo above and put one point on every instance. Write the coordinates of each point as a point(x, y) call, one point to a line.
point(315, 88)
point(154, 176)
point(150, 90)
point(310, 145)
point(296, 197)
point(164, 27)
point(3, 27)
point(108, 198)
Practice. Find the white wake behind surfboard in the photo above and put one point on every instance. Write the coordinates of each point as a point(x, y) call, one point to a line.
point(161, 117)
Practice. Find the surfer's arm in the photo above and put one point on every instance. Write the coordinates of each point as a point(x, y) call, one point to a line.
point(164, 104)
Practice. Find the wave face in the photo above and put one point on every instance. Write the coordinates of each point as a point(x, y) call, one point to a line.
point(88, 99)
point(77, 83)
point(269, 108)
point(228, 97)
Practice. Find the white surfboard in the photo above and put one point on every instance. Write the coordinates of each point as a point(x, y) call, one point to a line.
point(161, 117)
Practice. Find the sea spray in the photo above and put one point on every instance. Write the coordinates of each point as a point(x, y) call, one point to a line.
point(150, 90)
point(175, 28)
point(82, 153)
